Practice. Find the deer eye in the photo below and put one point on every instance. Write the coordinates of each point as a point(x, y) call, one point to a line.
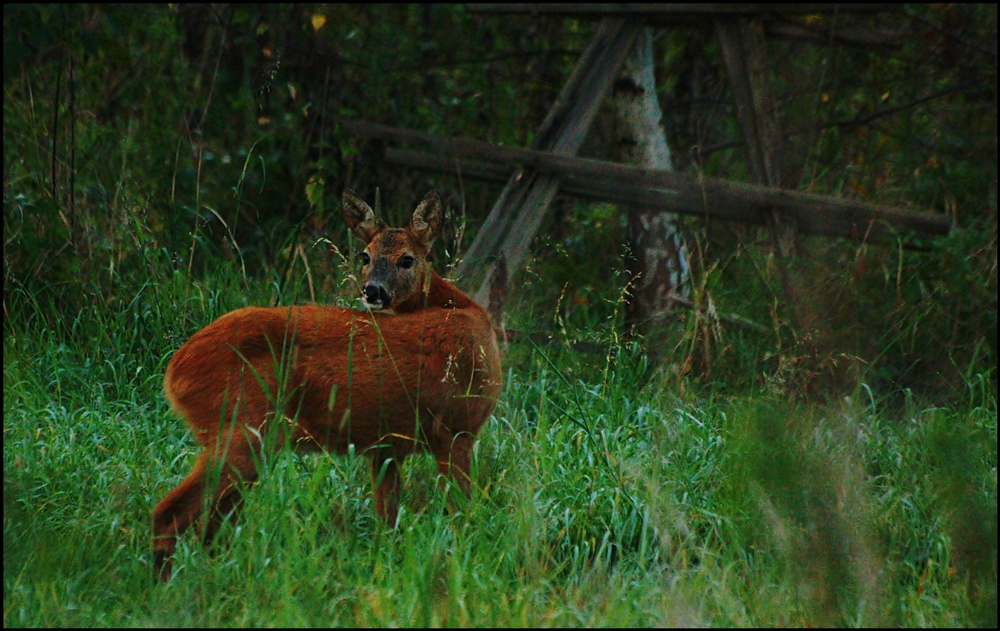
point(365, 259)
point(406, 262)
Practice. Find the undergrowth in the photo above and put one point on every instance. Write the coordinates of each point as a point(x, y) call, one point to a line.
point(603, 495)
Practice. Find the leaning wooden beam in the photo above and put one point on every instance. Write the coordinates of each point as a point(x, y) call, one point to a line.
point(712, 198)
point(673, 9)
point(742, 44)
point(781, 24)
point(792, 28)
point(525, 200)
point(498, 221)
point(731, 318)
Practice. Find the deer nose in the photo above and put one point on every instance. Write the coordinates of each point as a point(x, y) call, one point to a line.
point(375, 294)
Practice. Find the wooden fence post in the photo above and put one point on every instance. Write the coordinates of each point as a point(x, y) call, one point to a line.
point(744, 50)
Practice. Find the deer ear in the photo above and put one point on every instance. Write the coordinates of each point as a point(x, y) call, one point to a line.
point(359, 216)
point(427, 219)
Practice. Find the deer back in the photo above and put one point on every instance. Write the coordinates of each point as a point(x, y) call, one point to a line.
point(422, 361)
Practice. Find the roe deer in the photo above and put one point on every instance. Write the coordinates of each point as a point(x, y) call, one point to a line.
point(419, 370)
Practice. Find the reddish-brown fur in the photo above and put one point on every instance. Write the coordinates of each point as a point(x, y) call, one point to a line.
point(424, 376)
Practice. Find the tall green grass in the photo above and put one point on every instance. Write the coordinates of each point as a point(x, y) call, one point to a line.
point(603, 496)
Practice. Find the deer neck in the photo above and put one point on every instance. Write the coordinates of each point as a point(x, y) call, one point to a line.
point(437, 293)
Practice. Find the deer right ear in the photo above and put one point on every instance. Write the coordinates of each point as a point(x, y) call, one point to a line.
point(359, 216)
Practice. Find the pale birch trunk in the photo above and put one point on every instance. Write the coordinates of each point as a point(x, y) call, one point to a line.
point(659, 261)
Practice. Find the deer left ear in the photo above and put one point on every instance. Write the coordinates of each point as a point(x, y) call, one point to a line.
point(427, 219)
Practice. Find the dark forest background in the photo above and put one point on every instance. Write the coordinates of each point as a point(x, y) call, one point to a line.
point(145, 141)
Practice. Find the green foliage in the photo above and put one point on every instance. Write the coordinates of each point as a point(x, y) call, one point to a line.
point(596, 500)
point(205, 130)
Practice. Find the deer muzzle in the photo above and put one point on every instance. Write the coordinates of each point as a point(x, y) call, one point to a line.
point(376, 296)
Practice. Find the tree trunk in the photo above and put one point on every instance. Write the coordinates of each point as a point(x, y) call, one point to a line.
point(658, 264)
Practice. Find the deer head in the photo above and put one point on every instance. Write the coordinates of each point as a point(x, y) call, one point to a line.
point(395, 272)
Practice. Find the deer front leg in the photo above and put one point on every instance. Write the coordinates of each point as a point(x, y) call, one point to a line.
point(453, 457)
point(385, 475)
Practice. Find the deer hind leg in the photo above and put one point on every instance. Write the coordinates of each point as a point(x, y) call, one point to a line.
point(183, 506)
point(239, 465)
point(387, 488)
point(175, 513)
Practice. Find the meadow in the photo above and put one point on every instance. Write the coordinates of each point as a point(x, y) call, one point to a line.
point(604, 494)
